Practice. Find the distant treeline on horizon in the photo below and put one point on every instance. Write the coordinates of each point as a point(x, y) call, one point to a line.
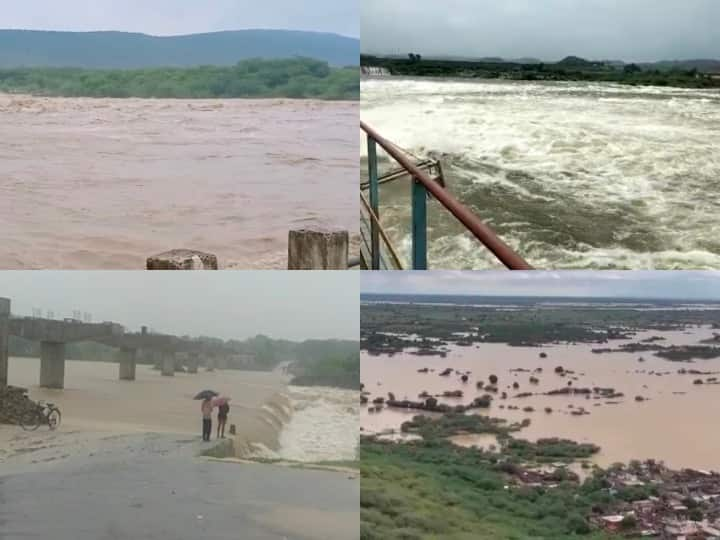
point(267, 352)
point(689, 74)
point(465, 299)
point(297, 78)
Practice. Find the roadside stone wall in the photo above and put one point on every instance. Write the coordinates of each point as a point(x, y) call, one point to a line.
point(13, 404)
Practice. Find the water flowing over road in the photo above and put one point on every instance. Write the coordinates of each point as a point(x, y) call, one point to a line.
point(571, 175)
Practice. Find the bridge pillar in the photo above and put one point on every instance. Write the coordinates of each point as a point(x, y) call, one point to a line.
point(180, 359)
point(128, 362)
point(168, 364)
point(157, 357)
point(52, 364)
point(192, 363)
point(209, 363)
point(4, 336)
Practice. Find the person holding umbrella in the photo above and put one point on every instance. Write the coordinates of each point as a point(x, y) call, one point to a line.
point(223, 410)
point(206, 407)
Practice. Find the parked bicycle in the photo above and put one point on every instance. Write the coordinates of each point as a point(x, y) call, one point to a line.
point(45, 414)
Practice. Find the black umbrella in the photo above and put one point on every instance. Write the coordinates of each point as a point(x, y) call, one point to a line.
point(206, 394)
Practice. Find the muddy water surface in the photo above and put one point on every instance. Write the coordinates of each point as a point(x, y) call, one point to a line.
point(94, 399)
point(105, 183)
point(677, 422)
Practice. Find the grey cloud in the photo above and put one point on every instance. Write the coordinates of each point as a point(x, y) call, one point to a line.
point(231, 304)
point(637, 30)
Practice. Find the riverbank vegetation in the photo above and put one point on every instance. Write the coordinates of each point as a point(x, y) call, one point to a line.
point(569, 69)
point(340, 371)
point(433, 489)
point(255, 78)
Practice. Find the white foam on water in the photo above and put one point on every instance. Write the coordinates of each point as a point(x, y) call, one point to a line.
point(319, 424)
point(325, 425)
point(650, 156)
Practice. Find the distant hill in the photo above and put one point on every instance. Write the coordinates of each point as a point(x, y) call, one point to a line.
point(31, 48)
point(574, 61)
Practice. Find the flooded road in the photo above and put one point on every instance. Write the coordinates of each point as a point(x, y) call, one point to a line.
point(546, 163)
point(676, 421)
point(152, 487)
point(129, 448)
point(105, 183)
point(94, 399)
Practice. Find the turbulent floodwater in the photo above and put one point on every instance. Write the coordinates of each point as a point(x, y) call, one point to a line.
point(571, 175)
point(676, 423)
point(316, 424)
point(105, 183)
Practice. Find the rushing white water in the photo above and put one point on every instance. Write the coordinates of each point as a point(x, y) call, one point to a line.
point(323, 425)
point(572, 175)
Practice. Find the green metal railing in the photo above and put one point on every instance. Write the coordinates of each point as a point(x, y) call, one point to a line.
point(423, 186)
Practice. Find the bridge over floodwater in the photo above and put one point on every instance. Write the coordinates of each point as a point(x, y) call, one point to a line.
point(169, 352)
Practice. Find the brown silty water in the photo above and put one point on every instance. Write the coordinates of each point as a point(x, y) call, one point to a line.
point(94, 399)
point(677, 423)
point(105, 183)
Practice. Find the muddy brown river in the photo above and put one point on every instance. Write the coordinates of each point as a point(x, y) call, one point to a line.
point(676, 423)
point(105, 183)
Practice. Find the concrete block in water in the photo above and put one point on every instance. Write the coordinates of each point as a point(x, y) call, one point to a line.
point(128, 362)
point(182, 259)
point(318, 250)
point(52, 364)
point(192, 363)
point(168, 365)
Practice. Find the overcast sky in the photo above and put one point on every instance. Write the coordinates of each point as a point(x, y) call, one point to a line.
point(637, 30)
point(634, 284)
point(229, 304)
point(171, 17)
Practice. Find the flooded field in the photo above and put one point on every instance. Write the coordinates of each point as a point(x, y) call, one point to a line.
point(675, 421)
point(105, 183)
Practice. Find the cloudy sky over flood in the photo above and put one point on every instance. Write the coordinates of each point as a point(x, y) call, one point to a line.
point(636, 30)
point(291, 305)
point(684, 285)
point(172, 17)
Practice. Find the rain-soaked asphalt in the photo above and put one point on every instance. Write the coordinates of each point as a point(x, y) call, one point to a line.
point(155, 489)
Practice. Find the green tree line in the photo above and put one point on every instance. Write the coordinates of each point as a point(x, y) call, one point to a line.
point(254, 78)
point(571, 68)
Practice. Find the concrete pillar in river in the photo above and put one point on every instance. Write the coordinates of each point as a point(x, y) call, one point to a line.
point(221, 362)
point(192, 363)
point(168, 364)
point(128, 363)
point(4, 336)
point(52, 364)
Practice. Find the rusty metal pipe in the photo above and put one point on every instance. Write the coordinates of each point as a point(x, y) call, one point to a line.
point(482, 232)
